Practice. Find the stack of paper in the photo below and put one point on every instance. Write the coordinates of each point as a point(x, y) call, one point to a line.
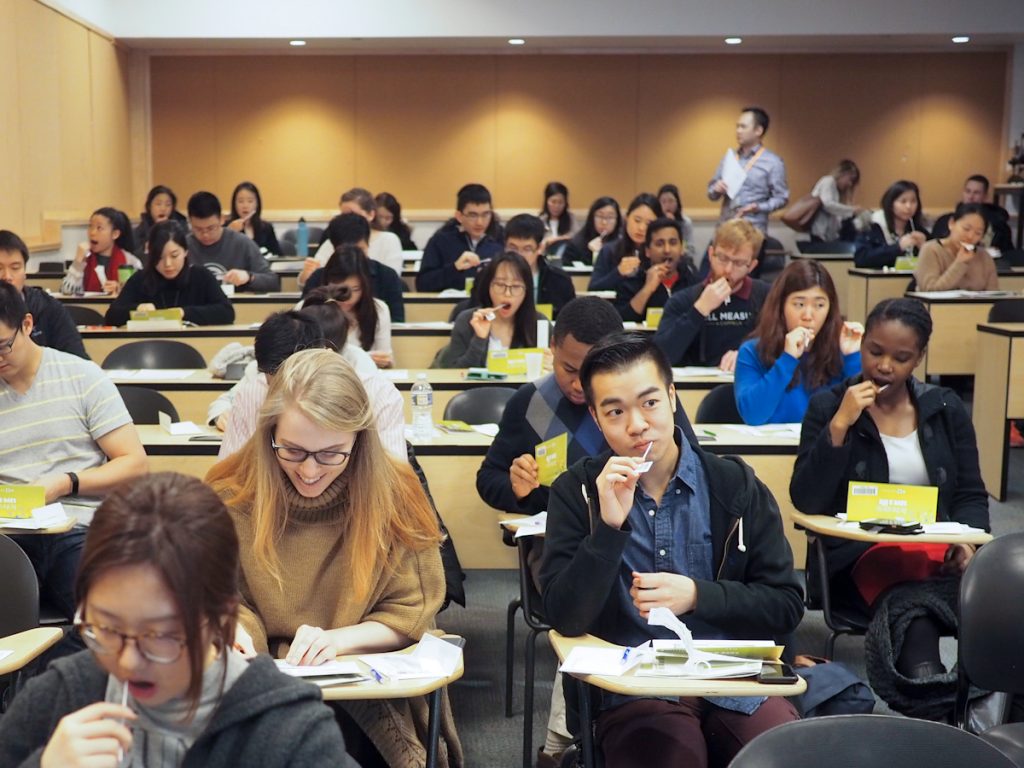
point(43, 517)
point(324, 675)
point(432, 657)
point(534, 525)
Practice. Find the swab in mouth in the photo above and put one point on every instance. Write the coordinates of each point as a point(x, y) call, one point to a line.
point(645, 466)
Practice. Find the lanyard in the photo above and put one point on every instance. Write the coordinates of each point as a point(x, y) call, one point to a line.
point(751, 161)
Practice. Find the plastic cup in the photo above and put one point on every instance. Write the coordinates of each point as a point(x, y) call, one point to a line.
point(123, 273)
point(534, 365)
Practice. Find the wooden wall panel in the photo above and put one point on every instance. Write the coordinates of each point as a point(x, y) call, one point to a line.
point(111, 137)
point(11, 211)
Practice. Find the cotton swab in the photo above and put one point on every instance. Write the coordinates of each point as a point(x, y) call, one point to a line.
point(645, 465)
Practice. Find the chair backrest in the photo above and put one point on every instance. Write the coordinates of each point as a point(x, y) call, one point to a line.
point(1007, 311)
point(287, 241)
point(19, 609)
point(992, 630)
point(480, 405)
point(144, 405)
point(84, 315)
point(154, 353)
point(719, 407)
point(868, 741)
point(50, 268)
point(836, 246)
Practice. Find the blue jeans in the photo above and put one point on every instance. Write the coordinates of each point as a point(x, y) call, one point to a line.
point(55, 560)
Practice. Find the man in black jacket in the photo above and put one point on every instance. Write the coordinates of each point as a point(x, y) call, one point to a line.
point(53, 326)
point(524, 234)
point(997, 234)
point(664, 271)
point(685, 530)
point(454, 252)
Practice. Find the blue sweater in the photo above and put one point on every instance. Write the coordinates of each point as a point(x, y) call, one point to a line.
point(761, 394)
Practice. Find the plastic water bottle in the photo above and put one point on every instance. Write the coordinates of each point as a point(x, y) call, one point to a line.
point(302, 239)
point(422, 408)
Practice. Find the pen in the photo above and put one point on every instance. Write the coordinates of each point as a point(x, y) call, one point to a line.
point(377, 676)
point(625, 655)
point(124, 703)
point(709, 433)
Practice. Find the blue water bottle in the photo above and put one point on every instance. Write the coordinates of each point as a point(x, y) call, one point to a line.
point(302, 239)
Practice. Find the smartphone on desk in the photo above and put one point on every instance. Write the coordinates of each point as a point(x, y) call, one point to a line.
point(777, 674)
point(896, 527)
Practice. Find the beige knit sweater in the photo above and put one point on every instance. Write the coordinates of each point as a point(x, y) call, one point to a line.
point(938, 270)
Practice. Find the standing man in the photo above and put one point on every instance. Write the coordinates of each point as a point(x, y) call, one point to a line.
point(764, 190)
point(52, 324)
point(230, 255)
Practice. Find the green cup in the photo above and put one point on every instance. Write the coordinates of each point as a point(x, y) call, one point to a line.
point(469, 285)
point(123, 273)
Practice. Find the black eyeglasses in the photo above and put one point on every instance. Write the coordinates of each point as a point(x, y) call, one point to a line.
point(106, 641)
point(7, 346)
point(299, 455)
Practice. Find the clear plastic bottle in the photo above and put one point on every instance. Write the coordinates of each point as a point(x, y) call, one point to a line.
point(422, 408)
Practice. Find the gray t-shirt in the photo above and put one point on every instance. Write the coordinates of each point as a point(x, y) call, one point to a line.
point(235, 251)
point(53, 428)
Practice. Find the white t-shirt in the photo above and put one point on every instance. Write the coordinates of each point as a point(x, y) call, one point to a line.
point(906, 462)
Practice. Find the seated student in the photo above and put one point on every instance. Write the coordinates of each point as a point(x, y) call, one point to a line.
point(886, 426)
point(672, 208)
point(524, 234)
point(621, 258)
point(508, 321)
point(282, 334)
point(161, 205)
point(800, 346)
point(705, 324)
point(170, 279)
point(229, 255)
point(663, 271)
point(353, 229)
point(65, 428)
point(389, 219)
point(896, 228)
point(556, 216)
point(247, 218)
point(604, 220)
point(997, 234)
point(369, 319)
point(52, 323)
point(455, 251)
point(160, 568)
point(383, 247)
point(960, 260)
point(718, 559)
point(340, 546)
point(96, 264)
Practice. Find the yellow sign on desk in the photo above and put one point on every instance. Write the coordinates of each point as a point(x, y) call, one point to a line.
point(18, 501)
point(552, 458)
point(888, 501)
point(510, 361)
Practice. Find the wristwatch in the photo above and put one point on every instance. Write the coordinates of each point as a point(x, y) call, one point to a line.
point(74, 483)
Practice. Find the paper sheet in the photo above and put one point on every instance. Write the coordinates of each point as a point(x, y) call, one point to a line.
point(491, 430)
point(732, 173)
point(611, 662)
point(178, 428)
point(688, 371)
point(5, 654)
point(396, 374)
point(433, 657)
point(43, 517)
point(533, 525)
point(331, 668)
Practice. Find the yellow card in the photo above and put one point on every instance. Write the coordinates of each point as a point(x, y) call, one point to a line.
point(173, 313)
point(18, 501)
point(548, 310)
point(552, 456)
point(510, 361)
point(887, 501)
point(653, 317)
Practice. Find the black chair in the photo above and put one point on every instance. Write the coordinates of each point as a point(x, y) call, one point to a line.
point(19, 610)
point(144, 405)
point(530, 602)
point(836, 246)
point(840, 618)
point(868, 741)
point(1007, 311)
point(50, 268)
point(154, 353)
point(84, 315)
point(287, 241)
point(992, 632)
point(771, 260)
point(719, 407)
point(480, 405)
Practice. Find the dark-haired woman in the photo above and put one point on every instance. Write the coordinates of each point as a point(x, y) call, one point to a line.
point(246, 217)
point(161, 684)
point(389, 219)
point(800, 346)
point(672, 208)
point(959, 260)
point(603, 223)
point(369, 319)
point(161, 205)
point(556, 216)
point(886, 426)
point(621, 258)
point(896, 228)
point(170, 280)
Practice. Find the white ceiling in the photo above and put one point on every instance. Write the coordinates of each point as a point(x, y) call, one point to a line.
point(483, 26)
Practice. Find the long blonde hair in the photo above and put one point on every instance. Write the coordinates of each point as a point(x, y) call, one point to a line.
point(386, 504)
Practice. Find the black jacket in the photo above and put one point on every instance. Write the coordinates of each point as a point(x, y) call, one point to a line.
point(195, 290)
point(385, 282)
point(52, 323)
point(822, 472)
point(874, 251)
point(629, 286)
point(554, 287)
point(437, 269)
point(755, 593)
point(265, 719)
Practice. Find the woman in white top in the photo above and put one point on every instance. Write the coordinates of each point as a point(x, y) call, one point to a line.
point(835, 190)
point(385, 247)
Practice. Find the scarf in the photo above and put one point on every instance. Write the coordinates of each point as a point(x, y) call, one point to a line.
point(92, 281)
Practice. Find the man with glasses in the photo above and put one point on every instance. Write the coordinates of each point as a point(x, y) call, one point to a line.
point(52, 323)
point(230, 255)
point(524, 234)
point(706, 323)
point(63, 426)
point(455, 251)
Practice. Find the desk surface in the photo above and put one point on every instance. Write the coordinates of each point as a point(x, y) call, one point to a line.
point(389, 689)
point(631, 684)
point(64, 527)
point(830, 526)
point(27, 646)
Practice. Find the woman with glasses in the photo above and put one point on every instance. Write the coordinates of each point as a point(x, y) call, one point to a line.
point(603, 222)
point(339, 545)
point(161, 684)
point(505, 316)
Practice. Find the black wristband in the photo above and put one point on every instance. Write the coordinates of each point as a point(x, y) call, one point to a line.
point(74, 483)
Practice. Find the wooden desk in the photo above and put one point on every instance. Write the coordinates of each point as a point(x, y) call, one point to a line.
point(998, 396)
point(64, 527)
point(630, 684)
point(580, 277)
point(825, 525)
point(867, 287)
point(954, 333)
point(48, 281)
point(249, 307)
point(838, 265)
point(27, 646)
